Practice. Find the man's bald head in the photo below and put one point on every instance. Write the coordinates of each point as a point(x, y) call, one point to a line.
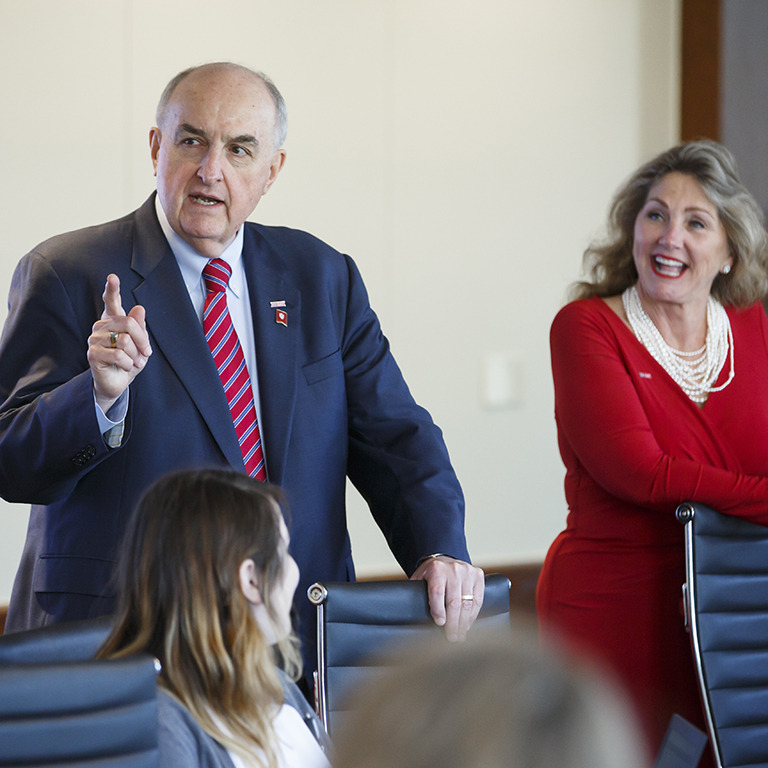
point(281, 115)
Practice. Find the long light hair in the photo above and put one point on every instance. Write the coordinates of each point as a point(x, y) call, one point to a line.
point(610, 265)
point(179, 599)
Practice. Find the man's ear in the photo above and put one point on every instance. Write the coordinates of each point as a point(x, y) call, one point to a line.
point(278, 161)
point(154, 146)
point(249, 582)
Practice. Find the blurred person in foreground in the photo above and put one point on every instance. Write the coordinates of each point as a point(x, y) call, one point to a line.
point(205, 584)
point(660, 367)
point(496, 702)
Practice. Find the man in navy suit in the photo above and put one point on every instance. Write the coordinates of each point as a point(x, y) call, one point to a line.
point(107, 380)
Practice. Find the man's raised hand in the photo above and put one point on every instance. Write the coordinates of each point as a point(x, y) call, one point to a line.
point(118, 347)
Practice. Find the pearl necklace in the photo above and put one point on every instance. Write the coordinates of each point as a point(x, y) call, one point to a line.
point(694, 372)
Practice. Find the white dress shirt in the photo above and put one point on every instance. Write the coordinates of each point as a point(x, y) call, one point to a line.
point(191, 265)
point(296, 746)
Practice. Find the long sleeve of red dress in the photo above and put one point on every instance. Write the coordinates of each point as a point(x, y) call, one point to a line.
point(639, 437)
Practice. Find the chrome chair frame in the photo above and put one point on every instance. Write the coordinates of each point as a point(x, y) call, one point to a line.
point(685, 514)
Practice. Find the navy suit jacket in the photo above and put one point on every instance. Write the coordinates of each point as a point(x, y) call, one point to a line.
point(333, 404)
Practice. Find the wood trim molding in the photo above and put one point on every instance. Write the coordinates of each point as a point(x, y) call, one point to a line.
point(700, 70)
point(522, 596)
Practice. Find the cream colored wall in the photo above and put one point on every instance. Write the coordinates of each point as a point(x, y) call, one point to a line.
point(462, 151)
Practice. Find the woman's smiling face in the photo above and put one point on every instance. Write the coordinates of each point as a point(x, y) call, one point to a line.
point(680, 244)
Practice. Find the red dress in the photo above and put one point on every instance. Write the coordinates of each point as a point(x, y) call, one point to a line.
point(634, 446)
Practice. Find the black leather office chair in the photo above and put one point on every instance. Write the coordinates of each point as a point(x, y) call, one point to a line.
point(66, 641)
point(726, 596)
point(102, 714)
point(358, 621)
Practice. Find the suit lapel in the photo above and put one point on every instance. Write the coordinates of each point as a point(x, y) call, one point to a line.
point(276, 345)
point(176, 329)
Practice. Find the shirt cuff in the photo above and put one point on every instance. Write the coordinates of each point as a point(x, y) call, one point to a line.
point(112, 423)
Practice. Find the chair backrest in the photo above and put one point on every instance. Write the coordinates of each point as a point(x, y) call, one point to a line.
point(66, 641)
point(358, 621)
point(726, 596)
point(96, 713)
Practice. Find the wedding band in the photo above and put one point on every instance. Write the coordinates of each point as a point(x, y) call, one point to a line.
point(113, 339)
point(468, 597)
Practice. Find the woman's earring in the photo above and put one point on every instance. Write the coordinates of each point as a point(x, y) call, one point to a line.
point(726, 269)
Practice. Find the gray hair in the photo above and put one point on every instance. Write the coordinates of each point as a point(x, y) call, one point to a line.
point(281, 114)
point(610, 265)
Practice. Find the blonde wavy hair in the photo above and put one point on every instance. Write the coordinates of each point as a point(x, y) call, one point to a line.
point(179, 599)
point(610, 266)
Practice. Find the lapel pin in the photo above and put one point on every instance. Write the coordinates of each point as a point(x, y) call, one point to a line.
point(274, 304)
point(281, 317)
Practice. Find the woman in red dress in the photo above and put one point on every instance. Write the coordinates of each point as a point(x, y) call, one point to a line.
point(660, 368)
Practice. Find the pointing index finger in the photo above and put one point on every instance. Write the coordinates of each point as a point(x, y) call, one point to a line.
point(113, 305)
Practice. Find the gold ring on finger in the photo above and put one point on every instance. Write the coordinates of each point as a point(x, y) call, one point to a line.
point(468, 597)
point(113, 339)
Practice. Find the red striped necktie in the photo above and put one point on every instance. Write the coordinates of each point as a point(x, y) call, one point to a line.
point(230, 363)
